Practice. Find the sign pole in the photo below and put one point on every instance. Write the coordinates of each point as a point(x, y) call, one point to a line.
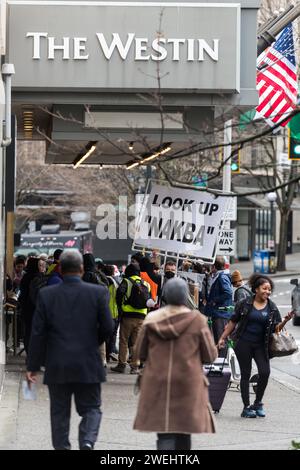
point(226, 156)
point(177, 261)
point(227, 163)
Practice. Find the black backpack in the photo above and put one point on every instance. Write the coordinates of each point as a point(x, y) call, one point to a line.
point(139, 294)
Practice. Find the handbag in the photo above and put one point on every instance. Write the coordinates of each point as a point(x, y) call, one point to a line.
point(282, 344)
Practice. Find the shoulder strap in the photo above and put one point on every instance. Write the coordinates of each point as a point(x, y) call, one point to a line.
point(242, 288)
point(128, 282)
point(113, 281)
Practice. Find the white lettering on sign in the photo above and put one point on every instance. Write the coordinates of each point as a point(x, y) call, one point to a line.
point(161, 52)
point(116, 43)
point(78, 48)
point(144, 49)
point(65, 48)
point(176, 44)
point(36, 43)
point(204, 47)
point(141, 49)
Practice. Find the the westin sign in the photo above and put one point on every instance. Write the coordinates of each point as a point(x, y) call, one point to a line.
point(158, 48)
point(125, 46)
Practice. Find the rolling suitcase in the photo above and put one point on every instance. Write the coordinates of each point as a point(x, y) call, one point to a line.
point(218, 374)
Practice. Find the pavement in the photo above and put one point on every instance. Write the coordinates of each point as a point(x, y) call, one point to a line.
point(292, 267)
point(25, 424)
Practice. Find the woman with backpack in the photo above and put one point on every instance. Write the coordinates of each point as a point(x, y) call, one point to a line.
point(242, 291)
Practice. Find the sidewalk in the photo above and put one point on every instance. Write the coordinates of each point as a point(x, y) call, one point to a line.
point(292, 265)
point(26, 424)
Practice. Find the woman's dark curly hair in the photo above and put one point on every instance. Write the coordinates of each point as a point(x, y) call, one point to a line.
point(257, 280)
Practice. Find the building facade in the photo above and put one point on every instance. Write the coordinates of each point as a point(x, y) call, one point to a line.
point(92, 76)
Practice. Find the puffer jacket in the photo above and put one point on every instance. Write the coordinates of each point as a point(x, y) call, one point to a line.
point(220, 297)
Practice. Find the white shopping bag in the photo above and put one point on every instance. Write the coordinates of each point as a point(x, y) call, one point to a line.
point(29, 393)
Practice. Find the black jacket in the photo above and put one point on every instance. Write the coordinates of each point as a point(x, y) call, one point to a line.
point(241, 315)
point(91, 274)
point(70, 321)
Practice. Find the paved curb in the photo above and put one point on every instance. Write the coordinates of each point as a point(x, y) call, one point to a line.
point(286, 380)
point(278, 275)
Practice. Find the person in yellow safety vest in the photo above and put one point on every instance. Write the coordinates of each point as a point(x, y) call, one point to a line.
point(132, 296)
point(113, 284)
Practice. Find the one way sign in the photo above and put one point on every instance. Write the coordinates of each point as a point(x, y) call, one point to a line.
point(227, 242)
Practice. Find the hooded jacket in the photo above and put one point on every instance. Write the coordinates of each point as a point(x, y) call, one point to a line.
point(174, 343)
point(91, 275)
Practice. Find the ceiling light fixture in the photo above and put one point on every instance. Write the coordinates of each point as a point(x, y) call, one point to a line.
point(132, 165)
point(28, 118)
point(148, 157)
point(90, 148)
point(157, 154)
point(130, 146)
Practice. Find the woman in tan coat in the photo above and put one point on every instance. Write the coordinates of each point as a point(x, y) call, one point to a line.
point(173, 344)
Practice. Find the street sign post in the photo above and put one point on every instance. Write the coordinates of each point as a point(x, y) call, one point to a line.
point(227, 242)
point(231, 213)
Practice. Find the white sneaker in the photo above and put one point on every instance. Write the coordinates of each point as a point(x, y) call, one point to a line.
point(114, 357)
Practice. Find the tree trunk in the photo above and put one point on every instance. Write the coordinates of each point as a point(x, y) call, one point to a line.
point(281, 265)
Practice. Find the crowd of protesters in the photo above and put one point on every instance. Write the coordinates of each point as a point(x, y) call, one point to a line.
point(147, 314)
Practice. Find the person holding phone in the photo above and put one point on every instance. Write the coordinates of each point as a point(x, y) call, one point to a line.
point(252, 323)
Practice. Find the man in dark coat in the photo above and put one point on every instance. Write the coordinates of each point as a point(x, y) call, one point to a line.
point(70, 321)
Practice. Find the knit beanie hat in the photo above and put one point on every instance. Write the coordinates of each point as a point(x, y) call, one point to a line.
point(236, 277)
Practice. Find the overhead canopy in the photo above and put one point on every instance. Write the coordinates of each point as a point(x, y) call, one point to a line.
point(193, 61)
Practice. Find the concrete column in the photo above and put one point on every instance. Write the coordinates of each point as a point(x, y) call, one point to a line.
point(2, 217)
point(2, 235)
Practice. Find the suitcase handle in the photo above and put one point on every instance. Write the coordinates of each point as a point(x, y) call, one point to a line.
point(222, 366)
point(209, 321)
point(215, 373)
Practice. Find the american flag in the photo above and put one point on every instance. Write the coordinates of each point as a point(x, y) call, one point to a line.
point(277, 79)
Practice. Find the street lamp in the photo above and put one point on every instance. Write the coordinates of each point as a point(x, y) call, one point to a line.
point(272, 197)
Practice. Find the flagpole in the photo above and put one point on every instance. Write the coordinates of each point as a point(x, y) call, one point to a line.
point(268, 36)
